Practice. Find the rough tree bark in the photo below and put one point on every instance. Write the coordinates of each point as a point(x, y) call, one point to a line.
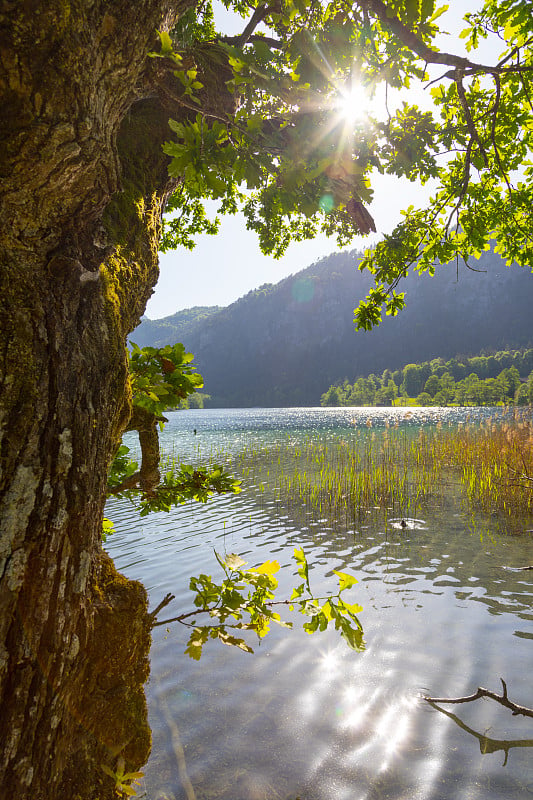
point(83, 182)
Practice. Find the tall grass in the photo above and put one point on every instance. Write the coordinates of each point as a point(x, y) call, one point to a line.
point(495, 459)
point(395, 471)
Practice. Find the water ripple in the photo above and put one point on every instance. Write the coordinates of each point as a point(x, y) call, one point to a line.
point(306, 716)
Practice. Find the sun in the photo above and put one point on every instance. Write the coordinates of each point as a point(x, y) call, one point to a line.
point(352, 103)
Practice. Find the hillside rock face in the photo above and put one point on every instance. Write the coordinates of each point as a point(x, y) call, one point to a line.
point(286, 344)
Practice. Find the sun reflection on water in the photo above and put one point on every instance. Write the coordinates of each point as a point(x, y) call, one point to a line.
point(329, 663)
point(357, 706)
point(394, 728)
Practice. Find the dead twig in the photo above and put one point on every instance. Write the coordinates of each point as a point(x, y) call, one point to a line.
point(502, 699)
point(519, 569)
point(168, 598)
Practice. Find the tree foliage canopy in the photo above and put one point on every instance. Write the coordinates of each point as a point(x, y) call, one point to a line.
point(296, 163)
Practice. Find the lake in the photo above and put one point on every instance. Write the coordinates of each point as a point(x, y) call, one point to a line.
point(304, 716)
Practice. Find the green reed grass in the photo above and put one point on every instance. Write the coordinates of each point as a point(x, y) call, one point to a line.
point(395, 471)
point(343, 479)
point(495, 458)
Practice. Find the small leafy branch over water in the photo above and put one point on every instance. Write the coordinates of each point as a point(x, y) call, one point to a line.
point(245, 601)
point(160, 378)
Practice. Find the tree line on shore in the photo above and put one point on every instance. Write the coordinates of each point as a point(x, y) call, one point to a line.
point(503, 377)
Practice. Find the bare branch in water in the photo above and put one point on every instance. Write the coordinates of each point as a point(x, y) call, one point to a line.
point(502, 699)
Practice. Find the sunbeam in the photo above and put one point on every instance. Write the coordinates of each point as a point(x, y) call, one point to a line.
point(352, 103)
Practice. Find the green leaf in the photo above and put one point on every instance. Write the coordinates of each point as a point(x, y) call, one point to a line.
point(197, 640)
point(345, 580)
point(107, 529)
point(108, 771)
point(166, 43)
point(233, 641)
point(351, 608)
point(234, 561)
point(302, 566)
point(297, 591)
point(268, 568)
point(353, 636)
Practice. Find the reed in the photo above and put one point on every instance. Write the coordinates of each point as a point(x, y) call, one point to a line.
point(395, 471)
point(345, 479)
point(495, 459)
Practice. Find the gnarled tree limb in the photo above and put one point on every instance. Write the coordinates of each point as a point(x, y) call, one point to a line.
point(481, 692)
point(428, 54)
point(148, 477)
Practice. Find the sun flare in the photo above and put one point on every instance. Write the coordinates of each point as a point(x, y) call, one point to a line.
point(352, 103)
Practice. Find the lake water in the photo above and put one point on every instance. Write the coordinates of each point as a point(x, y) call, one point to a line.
point(306, 717)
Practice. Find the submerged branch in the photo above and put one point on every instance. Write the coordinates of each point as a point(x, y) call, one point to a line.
point(487, 744)
point(519, 569)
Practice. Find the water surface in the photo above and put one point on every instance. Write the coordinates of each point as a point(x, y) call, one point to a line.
point(305, 716)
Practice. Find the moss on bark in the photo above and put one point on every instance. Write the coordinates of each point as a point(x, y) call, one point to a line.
point(109, 704)
point(84, 181)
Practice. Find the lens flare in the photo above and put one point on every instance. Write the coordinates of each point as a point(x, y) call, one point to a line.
point(352, 103)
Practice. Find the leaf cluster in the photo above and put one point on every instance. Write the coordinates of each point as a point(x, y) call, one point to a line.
point(161, 377)
point(245, 601)
point(286, 146)
point(185, 482)
point(481, 159)
point(185, 219)
point(124, 781)
point(296, 168)
point(122, 467)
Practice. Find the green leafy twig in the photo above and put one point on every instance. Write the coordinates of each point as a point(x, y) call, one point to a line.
point(245, 601)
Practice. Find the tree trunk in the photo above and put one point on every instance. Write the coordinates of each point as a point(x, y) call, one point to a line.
point(83, 181)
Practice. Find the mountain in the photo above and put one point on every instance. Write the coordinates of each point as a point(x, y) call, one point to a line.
point(285, 344)
point(169, 330)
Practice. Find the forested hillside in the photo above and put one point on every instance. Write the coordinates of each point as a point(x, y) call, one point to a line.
point(176, 328)
point(285, 344)
point(502, 377)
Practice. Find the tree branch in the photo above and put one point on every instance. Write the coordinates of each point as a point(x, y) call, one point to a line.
point(486, 743)
point(515, 51)
point(277, 45)
point(458, 78)
point(502, 699)
point(493, 133)
point(519, 569)
point(148, 477)
point(464, 188)
point(430, 56)
point(209, 610)
point(168, 598)
point(414, 43)
point(257, 17)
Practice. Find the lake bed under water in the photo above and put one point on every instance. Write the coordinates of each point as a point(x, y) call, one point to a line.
point(306, 717)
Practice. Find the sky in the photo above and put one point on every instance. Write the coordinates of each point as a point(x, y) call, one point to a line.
point(224, 267)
